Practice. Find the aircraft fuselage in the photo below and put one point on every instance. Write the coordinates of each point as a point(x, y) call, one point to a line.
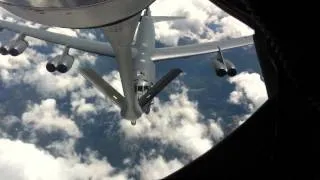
point(144, 67)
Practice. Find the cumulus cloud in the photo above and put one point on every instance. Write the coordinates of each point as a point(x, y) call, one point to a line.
point(201, 16)
point(51, 84)
point(23, 161)
point(9, 62)
point(250, 91)
point(157, 167)
point(99, 103)
point(82, 108)
point(46, 117)
point(176, 122)
point(215, 130)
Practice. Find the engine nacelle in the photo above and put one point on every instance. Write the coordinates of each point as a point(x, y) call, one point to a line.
point(219, 68)
point(52, 64)
point(61, 63)
point(65, 63)
point(4, 49)
point(14, 47)
point(232, 71)
point(18, 47)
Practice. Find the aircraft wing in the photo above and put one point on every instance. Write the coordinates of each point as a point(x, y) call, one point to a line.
point(196, 49)
point(98, 47)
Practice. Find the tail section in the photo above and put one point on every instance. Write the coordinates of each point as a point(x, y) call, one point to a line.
point(158, 87)
point(166, 18)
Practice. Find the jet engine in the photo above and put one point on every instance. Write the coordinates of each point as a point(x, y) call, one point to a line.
point(223, 66)
point(232, 71)
point(15, 47)
point(18, 47)
point(219, 68)
point(52, 64)
point(65, 63)
point(4, 49)
point(61, 63)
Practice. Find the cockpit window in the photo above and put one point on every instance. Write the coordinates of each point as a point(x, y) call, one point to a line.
point(141, 88)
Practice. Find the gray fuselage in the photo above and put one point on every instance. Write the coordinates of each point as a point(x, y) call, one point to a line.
point(144, 67)
point(133, 42)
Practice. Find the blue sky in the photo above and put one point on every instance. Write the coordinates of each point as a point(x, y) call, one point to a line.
point(55, 126)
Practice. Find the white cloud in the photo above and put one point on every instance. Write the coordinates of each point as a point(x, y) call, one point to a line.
point(64, 31)
point(9, 120)
point(250, 90)
point(22, 161)
point(200, 14)
point(22, 61)
point(177, 123)
point(215, 130)
point(52, 84)
point(87, 35)
point(99, 103)
point(64, 148)
point(82, 108)
point(46, 117)
point(157, 168)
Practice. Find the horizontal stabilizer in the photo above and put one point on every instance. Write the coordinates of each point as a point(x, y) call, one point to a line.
point(158, 87)
point(102, 85)
point(166, 18)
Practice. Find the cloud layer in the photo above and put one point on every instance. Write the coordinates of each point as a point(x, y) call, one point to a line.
point(23, 161)
point(250, 91)
point(157, 167)
point(204, 22)
point(176, 122)
point(46, 117)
